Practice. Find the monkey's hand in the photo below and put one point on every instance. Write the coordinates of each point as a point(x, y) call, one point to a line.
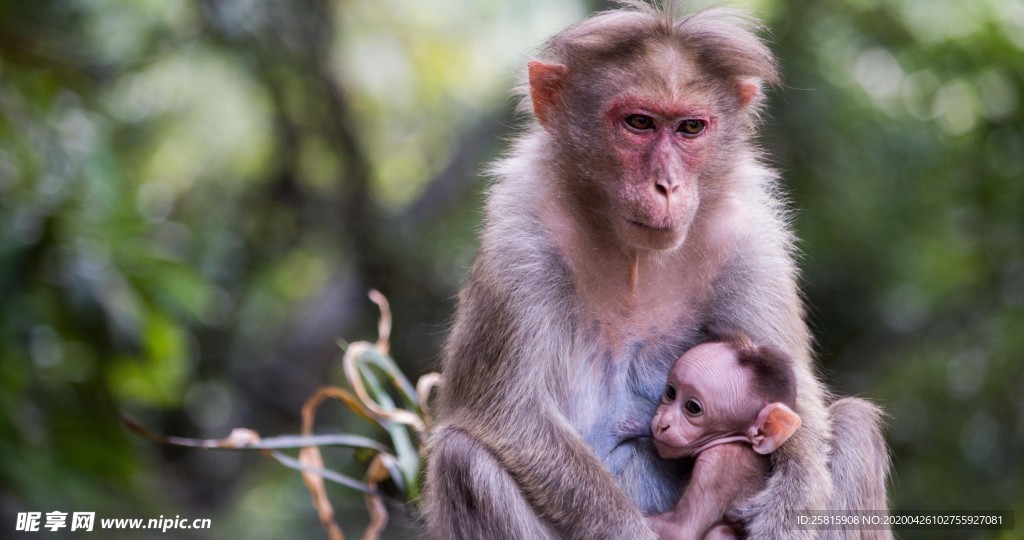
point(667, 528)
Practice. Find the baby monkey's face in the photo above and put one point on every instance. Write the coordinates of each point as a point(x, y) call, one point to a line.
point(710, 399)
point(706, 401)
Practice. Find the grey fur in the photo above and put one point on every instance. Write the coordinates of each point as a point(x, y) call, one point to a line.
point(542, 431)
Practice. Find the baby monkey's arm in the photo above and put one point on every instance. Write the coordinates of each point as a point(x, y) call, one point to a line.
point(723, 476)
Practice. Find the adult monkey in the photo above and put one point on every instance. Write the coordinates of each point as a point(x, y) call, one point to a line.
point(633, 216)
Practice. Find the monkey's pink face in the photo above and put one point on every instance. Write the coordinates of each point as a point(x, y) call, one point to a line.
point(660, 146)
point(707, 400)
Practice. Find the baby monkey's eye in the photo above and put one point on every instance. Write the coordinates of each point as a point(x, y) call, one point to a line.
point(693, 407)
point(670, 393)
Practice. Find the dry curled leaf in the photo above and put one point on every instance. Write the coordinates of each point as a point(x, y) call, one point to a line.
point(374, 504)
point(370, 399)
point(311, 456)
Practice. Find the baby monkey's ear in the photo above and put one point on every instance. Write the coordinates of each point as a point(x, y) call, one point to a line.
point(775, 424)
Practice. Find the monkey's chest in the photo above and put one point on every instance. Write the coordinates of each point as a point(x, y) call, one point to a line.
point(625, 404)
point(616, 400)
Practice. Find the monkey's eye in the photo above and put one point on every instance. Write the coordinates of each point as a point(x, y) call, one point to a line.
point(693, 407)
point(639, 122)
point(691, 127)
point(670, 393)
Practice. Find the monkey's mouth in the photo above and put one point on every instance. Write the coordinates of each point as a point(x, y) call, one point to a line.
point(656, 228)
point(666, 450)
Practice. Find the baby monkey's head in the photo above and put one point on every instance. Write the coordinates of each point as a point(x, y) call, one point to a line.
point(726, 391)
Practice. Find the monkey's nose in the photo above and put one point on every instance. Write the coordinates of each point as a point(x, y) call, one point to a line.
point(666, 186)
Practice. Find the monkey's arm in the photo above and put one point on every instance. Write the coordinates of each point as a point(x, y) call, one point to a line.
point(723, 476)
point(800, 480)
point(768, 309)
point(498, 394)
point(563, 480)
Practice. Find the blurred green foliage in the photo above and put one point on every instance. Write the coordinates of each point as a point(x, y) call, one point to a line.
point(195, 196)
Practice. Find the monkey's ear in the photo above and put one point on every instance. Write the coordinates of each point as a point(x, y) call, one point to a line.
point(750, 91)
point(775, 424)
point(546, 81)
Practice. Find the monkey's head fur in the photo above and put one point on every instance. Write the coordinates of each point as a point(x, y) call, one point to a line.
point(644, 108)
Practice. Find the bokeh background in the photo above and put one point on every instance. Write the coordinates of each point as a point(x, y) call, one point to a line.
point(195, 197)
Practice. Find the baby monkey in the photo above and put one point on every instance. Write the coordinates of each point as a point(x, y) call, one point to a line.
point(718, 393)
